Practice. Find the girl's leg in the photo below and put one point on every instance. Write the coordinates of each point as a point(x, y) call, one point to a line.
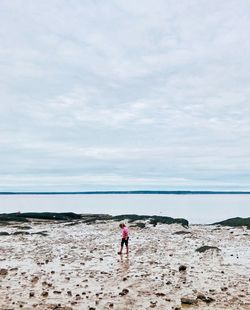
point(122, 243)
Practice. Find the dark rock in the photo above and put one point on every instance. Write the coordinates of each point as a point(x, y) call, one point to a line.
point(4, 233)
point(182, 268)
point(181, 232)
point(205, 248)
point(139, 224)
point(45, 294)
point(34, 279)
point(154, 219)
point(188, 301)
point(21, 233)
point(32, 294)
point(3, 272)
point(160, 294)
point(41, 233)
point(235, 222)
point(204, 298)
point(124, 292)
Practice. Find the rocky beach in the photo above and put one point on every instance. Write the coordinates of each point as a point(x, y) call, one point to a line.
point(58, 264)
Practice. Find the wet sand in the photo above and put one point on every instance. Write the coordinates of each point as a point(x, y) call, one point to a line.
point(77, 267)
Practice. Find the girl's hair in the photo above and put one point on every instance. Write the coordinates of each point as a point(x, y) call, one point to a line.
point(122, 225)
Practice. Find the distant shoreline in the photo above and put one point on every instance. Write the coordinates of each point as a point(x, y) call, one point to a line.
point(135, 192)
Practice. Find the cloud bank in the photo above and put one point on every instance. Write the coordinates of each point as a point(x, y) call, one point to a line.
point(100, 95)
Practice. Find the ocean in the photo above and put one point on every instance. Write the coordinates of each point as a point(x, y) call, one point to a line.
point(196, 208)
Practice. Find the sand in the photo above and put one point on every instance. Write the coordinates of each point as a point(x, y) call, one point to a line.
point(77, 267)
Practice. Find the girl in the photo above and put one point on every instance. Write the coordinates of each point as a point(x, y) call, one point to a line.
point(125, 237)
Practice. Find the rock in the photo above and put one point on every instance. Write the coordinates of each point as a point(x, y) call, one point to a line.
point(160, 294)
point(32, 294)
point(4, 233)
point(181, 232)
point(3, 272)
point(124, 292)
point(204, 298)
point(188, 300)
point(153, 304)
point(182, 268)
point(205, 248)
point(21, 233)
point(224, 288)
point(45, 294)
point(169, 282)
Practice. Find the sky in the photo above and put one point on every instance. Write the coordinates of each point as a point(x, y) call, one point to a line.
point(122, 95)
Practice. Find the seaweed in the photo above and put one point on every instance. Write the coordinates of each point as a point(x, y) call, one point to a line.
point(154, 219)
point(235, 222)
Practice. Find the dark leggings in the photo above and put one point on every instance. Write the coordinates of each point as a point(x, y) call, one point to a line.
point(124, 241)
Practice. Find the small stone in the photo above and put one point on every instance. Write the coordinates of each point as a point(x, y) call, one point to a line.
point(45, 294)
point(124, 292)
point(204, 298)
point(182, 268)
point(160, 294)
point(32, 294)
point(3, 272)
point(188, 300)
point(224, 288)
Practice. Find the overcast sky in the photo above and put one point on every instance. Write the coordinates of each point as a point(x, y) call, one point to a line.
point(112, 95)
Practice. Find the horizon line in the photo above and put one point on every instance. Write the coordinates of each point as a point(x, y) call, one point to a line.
point(113, 192)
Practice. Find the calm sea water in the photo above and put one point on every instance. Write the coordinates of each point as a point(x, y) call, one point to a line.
point(201, 209)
